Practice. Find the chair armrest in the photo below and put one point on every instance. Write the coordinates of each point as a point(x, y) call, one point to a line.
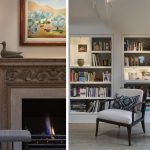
point(136, 105)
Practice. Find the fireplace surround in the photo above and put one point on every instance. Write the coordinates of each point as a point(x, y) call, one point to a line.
point(28, 79)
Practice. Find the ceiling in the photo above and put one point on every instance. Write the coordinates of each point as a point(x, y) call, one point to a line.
point(124, 15)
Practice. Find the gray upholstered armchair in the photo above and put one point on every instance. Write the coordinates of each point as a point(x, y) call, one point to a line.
point(123, 117)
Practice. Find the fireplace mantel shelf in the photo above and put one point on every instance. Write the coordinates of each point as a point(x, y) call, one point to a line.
point(32, 62)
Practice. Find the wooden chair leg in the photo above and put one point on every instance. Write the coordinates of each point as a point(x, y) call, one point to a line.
point(129, 134)
point(12, 145)
point(143, 125)
point(97, 124)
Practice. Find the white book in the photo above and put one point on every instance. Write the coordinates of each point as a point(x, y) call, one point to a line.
point(96, 107)
point(96, 64)
point(74, 92)
point(93, 59)
point(104, 92)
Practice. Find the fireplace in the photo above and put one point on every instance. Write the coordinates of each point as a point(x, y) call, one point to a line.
point(46, 120)
point(35, 80)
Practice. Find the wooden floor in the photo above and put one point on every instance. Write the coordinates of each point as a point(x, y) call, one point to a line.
point(110, 137)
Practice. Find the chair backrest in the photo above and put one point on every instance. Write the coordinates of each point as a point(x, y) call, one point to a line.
point(131, 92)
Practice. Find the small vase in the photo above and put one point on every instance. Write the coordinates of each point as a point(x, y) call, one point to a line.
point(80, 62)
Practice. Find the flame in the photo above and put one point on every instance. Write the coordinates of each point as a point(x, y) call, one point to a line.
point(49, 128)
point(53, 131)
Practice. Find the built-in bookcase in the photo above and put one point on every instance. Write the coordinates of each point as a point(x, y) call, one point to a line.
point(137, 63)
point(91, 82)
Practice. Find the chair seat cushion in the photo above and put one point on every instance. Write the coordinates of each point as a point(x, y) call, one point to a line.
point(118, 115)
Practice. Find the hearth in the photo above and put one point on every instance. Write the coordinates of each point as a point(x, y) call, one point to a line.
point(46, 120)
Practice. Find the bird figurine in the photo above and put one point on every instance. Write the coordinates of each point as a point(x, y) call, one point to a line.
point(9, 54)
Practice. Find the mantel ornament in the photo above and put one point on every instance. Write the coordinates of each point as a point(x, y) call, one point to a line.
point(9, 54)
point(33, 75)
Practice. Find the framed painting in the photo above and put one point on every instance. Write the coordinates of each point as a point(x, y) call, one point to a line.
point(43, 22)
point(82, 48)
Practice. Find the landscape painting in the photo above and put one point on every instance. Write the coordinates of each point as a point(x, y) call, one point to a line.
point(44, 22)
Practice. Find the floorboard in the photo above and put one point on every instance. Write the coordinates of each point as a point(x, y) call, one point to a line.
point(110, 137)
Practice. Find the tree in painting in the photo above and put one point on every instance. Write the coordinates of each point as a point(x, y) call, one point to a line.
point(58, 22)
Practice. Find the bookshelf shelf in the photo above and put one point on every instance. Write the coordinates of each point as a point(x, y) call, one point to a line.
point(137, 52)
point(92, 82)
point(91, 98)
point(83, 113)
point(137, 81)
point(90, 67)
point(101, 52)
point(136, 67)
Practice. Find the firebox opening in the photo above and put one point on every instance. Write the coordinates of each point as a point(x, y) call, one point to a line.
point(44, 116)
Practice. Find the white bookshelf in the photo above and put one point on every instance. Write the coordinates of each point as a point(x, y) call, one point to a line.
point(89, 117)
point(145, 53)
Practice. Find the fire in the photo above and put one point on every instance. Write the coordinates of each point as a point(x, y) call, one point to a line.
point(49, 128)
point(53, 131)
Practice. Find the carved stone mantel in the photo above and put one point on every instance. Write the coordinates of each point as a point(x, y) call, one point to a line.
point(21, 73)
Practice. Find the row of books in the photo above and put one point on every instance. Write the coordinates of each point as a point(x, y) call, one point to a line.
point(134, 61)
point(84, 92)
point(88, 106)
point(98, 60)
point(82, 76)
point(102, 45)
point(133, 46)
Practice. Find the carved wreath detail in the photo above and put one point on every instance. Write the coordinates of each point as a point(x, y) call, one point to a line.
point(34, 74)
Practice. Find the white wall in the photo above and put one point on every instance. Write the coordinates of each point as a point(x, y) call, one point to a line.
point(9, 31)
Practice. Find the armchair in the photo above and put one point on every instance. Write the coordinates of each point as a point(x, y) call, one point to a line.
point(121, 117)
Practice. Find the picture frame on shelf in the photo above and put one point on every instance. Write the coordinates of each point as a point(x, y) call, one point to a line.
point(42, 23)
point(82, 48)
